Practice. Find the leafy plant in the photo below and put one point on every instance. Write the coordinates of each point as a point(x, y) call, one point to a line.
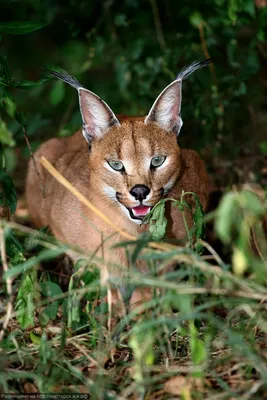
point(27, 297)
point(158, 221)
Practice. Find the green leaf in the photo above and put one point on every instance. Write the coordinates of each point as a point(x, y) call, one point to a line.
point(142, 343)
point(196, 19)
point(20, 28)
point(35, 338)
point(120, 20)
point(263, 146)
point(5, 70)
point(20, 118)
point(14, 252)
point(44, 319)
point(224, 221)
point(8, 195)
point(6, 137)
point(198, 218)
point(198, 349)
point(26, 299)
point(232, 210)
point(10, 107)
point(249, 7)
point(50, 289)
point(233, 9)
point(31, 84)
point(251, 203)
point(74, 309)
point(158, 221)
point(52, 309)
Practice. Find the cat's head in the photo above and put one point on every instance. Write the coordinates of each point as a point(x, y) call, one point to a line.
point(133, 161)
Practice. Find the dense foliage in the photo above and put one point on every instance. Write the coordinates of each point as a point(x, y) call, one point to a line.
point(128, 51)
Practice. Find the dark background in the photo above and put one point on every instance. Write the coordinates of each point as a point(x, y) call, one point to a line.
point(127, 52)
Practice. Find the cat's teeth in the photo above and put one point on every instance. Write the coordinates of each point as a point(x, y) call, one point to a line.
point(141, 211)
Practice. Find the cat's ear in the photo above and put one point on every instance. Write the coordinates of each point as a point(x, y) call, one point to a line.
point(97, 116)
point(166, 111)
point(167, 107)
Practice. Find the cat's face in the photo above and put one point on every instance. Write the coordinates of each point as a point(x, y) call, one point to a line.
point(135, 165)
point(134, 162)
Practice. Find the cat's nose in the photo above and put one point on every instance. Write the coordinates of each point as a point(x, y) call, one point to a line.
point(139, 192)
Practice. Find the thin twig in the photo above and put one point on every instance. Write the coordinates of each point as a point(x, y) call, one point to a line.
point(255, 241)
point(91, 359)
point(206, 53)
point(159, 30)
point(255, 387)
point(109, 296)
point(262, 50)
point(214, 254)
point(66, 115)
point(9, 311)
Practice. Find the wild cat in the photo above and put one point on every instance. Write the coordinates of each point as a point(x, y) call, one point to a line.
point(127, 165)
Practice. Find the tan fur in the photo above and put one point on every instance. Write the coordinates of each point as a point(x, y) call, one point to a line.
point(134, 143)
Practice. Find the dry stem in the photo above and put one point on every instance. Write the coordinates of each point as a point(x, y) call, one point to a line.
point(9, 311)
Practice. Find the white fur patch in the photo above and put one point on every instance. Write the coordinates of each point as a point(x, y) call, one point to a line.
point(110, 192)
point(169, 185)
point(148, 197)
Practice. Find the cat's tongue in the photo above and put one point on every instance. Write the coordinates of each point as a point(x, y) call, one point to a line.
point(141, 211)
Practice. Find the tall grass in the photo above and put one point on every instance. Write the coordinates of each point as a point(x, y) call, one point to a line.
point(202, 335)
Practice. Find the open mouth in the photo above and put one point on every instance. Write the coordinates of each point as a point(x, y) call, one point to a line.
point(139, 212)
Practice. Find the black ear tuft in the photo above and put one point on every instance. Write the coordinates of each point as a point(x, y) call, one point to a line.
point(65, 77)
point(97, 116)
point(166, 111)
point(186, 71)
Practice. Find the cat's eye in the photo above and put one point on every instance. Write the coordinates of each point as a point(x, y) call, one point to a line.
point(117, 165)
point(157, 161)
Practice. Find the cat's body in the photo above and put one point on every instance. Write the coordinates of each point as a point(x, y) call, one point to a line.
point(131, 164)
